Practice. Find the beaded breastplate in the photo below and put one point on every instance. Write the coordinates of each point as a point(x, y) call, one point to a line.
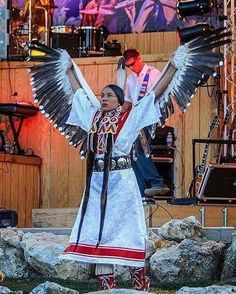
point(104, 124)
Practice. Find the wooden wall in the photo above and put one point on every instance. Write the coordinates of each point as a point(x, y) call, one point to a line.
point(62, 171)
point(149, 43)
point(20, 185)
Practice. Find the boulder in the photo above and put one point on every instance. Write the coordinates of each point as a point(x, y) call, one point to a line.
point(41, 251)
point(12, 237)
point(207, 290)
point(4, 290)
point(229, 265)
point(49, 288)
point(13, 264)
point(189, 261)
point(151, 241)
point(178, 230)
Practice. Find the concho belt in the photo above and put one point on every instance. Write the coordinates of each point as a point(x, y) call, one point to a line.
point(117, 163)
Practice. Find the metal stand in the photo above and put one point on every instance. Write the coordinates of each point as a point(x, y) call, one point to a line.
point(46, 23)
point(16, 132)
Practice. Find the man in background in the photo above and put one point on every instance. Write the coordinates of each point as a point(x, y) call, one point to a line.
point(142, 78)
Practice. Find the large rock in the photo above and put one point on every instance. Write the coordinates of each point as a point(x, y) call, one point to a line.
point(229, 265)
point(188, 261)
point(4, 290)
point(208, 290)
point(50, 288)
point(12, 237)
point(13, 264)
point(151, 243)
point(41, 251)
point(178, 230)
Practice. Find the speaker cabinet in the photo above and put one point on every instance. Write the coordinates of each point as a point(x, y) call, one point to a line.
point(166, 170)
point(67, 41)
point(163, 158)
point(8, 218)
point(218, 184)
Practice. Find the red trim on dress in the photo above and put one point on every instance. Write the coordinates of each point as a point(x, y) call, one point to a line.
point(122, 119)
point(105, 252)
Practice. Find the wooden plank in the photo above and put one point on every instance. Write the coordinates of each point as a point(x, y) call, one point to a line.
point(145, 44)
point(213, 216)
point(177, 123)
point(45, 151)
point(15, 184)
point(21, 85)
point(133, 41)
point(6, 184)
point(163, 213)
point(91, 76)
point(29, 160)
point(7, 85)
point(76, 178)
point(54, 218)
point(157, 43)
point(31, 194)
point(62, 194)
point(25, 183)
point(33, 141)
point(170, 42)
point(105, 76)
point(36, 189)
point(231, 216)
point(191, 131)
point(2, 195)
point(53, 200)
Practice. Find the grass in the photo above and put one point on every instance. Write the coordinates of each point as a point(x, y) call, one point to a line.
point(27, 285)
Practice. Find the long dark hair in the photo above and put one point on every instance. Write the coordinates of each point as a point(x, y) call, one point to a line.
point(92, 141)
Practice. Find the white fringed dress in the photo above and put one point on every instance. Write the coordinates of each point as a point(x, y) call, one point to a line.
point(124, 232)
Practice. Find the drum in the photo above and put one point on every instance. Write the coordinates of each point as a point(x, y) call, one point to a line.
point(91, 40)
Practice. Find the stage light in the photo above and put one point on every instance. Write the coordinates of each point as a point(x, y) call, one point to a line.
point(189, 33)
point(196, 7)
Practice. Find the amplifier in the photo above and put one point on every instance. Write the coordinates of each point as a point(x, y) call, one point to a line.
point(163, 157)
point(69, 42)
point(218, 184)
point(8, 218)
point(162, 153)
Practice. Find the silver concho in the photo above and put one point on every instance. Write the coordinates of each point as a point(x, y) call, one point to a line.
point(113, 164)
point(100, 164)
point(121, 162)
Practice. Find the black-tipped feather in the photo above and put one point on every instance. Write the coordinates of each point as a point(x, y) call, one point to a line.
point(193, 62)
point(52, 89)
